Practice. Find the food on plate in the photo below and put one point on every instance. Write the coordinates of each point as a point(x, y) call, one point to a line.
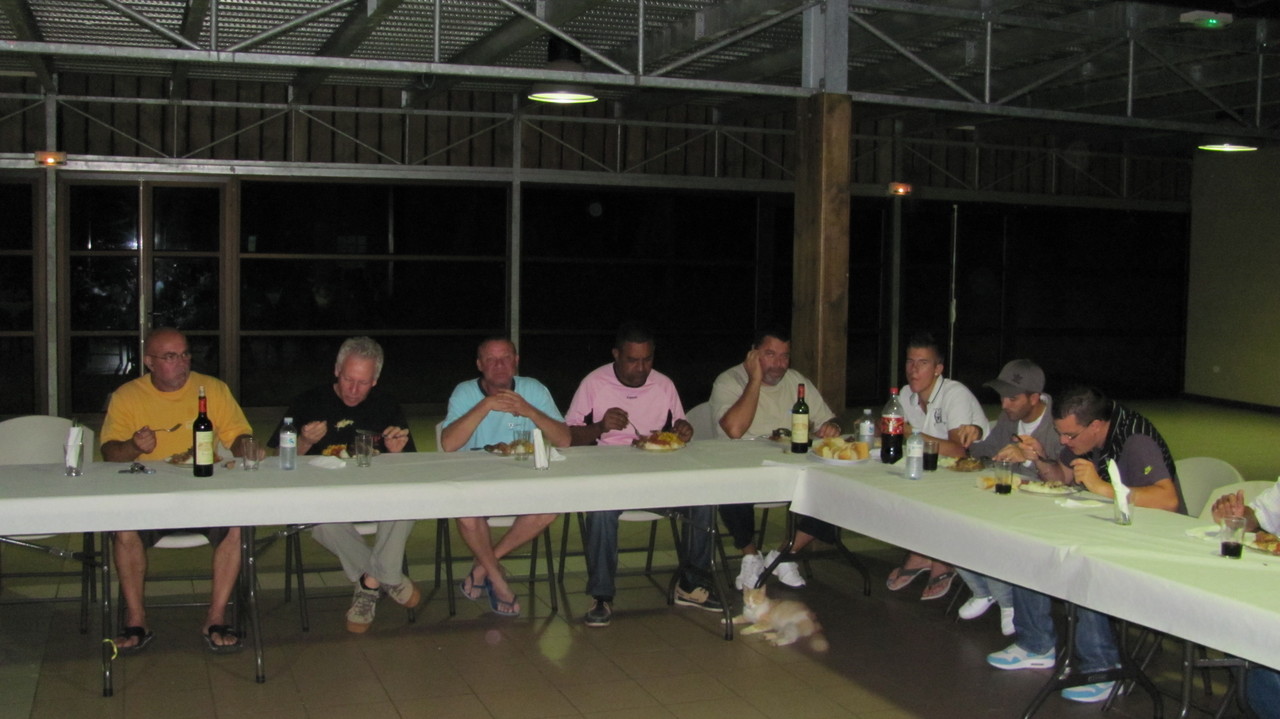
point(841, 448)
point(781, 434)
point(1049, 488)
point(508, 449)
point(184, 457)
point(659, 442)
point(1267, 542)
point(967, 464)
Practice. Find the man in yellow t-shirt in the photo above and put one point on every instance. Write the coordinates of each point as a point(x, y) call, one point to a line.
point(168, 395)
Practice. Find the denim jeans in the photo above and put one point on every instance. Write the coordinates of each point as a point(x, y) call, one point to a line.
point(601, 545)
point(1095, 644)
point(983, 586)
point(1263, 687)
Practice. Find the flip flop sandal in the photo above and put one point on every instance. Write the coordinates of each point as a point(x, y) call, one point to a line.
point(501, 607)
point(477, 590)
point(226, 632)
point(938, 586)
point(144, 638)
point(901, 577)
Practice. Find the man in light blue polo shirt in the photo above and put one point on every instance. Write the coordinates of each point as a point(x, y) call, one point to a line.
point(489, 410)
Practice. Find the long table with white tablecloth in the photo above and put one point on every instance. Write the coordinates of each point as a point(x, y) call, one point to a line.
point(1149, 572)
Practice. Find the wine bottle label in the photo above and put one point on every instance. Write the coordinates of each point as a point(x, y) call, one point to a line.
point(891, 425)
point(800, 429)
point(204, 447)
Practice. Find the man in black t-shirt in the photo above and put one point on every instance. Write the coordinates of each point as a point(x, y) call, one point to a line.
point(328, 418)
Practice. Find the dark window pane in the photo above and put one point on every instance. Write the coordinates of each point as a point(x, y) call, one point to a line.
point(103, 217)
point(16, 232)
point(98, 366)
point(187, 218)
point(101, 364)
point(638, 225)
point(314, 218)
point(17, 367)
point(16, 294)
point(104, 293)
point(186, 293)
point(418, 369)
point(450, 220)
point(361, 295)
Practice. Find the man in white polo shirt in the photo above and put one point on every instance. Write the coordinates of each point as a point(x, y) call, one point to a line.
point(944, 410)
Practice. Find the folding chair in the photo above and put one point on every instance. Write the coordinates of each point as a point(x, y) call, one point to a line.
point(40, 439)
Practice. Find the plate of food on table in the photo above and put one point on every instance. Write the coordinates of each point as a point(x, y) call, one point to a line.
point(1051, 489)
point(839, 451)
point(658, 441)
point(510, 449)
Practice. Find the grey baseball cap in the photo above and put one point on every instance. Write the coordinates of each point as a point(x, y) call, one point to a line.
point(1018, 377)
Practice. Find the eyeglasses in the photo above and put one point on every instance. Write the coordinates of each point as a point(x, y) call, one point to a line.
point(172, 356)
point(1071, 436)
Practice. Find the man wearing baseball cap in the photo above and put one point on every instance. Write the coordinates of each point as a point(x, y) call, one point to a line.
point(1024, 412)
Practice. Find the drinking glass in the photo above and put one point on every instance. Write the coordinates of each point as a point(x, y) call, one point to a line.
point(362, 449)
point(74, 453)
point(522, 445)
point(249, 462)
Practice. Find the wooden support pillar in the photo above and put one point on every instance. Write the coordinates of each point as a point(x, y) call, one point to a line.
point(820, 294)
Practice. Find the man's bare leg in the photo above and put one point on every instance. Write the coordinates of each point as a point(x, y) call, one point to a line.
point(131, 569)
point(226, 569)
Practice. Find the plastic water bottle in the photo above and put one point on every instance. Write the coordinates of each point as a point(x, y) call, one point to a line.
point(867, 429)
point(288, 445)
point(915, 456)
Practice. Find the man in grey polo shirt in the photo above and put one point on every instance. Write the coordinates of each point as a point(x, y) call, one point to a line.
point(1025, 413)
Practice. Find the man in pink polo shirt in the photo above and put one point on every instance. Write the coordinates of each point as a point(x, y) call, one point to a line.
point(613, 404)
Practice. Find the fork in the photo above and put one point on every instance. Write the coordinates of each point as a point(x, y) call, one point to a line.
point(635, 428)
point(174, 428)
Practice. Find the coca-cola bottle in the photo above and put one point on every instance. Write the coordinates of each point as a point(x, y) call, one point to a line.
point(892, 424)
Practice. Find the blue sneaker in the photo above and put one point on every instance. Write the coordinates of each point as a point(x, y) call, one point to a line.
point(1015, 657)
point(1089, 693)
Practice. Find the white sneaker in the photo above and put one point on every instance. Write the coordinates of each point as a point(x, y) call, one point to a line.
point(976, 607)
point(787, 572)
point(1006, 621)
point(749, 572)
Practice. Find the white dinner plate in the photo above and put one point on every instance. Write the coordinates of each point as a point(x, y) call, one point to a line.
point(1041, 489)
point(836, 462)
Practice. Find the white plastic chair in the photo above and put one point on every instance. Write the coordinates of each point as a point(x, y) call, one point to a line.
point(40, 439)
point(1252, 488)
point(1199, 477)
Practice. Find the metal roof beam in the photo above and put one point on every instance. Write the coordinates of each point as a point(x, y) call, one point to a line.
point(702, 27)
point(506, 39)
point(364, 18)
point(26, 28)
point(192, 24)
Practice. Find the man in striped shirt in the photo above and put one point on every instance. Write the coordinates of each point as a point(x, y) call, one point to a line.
point(1092, 431)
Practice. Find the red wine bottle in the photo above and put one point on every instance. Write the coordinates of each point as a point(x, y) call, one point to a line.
point(800, 423)
point(202, 458)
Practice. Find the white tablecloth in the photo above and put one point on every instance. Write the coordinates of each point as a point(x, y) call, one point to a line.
point(1150, 572)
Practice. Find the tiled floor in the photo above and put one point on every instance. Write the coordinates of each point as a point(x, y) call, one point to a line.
point(891, 657)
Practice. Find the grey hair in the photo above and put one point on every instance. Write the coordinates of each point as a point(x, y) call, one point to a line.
point(364, 347)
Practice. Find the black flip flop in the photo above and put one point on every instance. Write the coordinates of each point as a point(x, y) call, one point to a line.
point(144, 638)
point(225, 631)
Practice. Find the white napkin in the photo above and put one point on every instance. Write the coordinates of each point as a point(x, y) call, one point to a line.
point(75, 436)
point(1079, 503)
point(540, 457)
point(1121, 490)
point(327, 463)
point(554, 454)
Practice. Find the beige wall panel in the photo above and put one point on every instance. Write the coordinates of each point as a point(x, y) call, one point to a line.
point(1233, 305)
